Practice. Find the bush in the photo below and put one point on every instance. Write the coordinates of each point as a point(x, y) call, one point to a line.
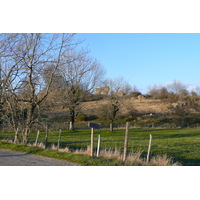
point(91, 117)
point(81, 117)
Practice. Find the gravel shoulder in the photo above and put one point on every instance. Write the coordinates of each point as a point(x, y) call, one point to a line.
point(14, 158)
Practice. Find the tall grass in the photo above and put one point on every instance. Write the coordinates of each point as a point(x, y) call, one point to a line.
point(163, 161)
point(132, 158)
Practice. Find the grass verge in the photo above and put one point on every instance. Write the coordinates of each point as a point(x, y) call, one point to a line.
point(84, 160)
point(82, 157)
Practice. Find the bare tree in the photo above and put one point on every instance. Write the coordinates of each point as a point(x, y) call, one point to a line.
point(24, 58)
point(14, 113)
point(159, 92)
point(117, 86)
point(82, 74)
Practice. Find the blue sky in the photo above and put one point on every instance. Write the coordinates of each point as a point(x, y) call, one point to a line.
point(147, 59)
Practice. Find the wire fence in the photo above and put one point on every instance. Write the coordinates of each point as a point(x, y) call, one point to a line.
point(175, 145)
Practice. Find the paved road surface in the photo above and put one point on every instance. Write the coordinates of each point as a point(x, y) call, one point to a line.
point(14, 158)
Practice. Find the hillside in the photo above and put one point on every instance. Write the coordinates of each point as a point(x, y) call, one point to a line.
point(144, 106)
point(145, 113)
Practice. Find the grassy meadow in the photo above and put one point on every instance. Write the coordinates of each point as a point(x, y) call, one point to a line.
point(183, 145)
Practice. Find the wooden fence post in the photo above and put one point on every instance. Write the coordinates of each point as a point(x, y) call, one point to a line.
point(46, 137)
point(111, 127)
point(98, 146)
point(126, 141)
point(59, 136)
point(93, 126)
point(36, 141)
point(149, 148)
point(92, 142)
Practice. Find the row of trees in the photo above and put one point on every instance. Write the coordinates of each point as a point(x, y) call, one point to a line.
point(34, 65)
point(40, 69)
point(174, 91)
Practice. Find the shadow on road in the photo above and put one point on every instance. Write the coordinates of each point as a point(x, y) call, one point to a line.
point(1, 156)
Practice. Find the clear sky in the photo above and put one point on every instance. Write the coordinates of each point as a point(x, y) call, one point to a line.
point(147, 59)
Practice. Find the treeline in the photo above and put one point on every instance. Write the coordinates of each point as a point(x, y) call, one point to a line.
point(175, 91)
point(37, 67)
point(39, 70)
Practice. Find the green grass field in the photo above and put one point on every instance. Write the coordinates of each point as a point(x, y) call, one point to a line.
point(183, 145)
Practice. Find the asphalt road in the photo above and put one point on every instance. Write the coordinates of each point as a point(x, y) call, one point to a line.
point(14, 158)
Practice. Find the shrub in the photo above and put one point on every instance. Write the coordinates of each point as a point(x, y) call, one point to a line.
point(135, 94)
point(81, 117)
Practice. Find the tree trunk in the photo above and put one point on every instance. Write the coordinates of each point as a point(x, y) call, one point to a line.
point(25, 136)
point(72, 120)
point(36, 141)
point(29, 120)
point(16, 136)
point(46, 137)
point(71, 126)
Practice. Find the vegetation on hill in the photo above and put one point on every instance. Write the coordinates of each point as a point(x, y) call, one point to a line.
point(46, 80)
